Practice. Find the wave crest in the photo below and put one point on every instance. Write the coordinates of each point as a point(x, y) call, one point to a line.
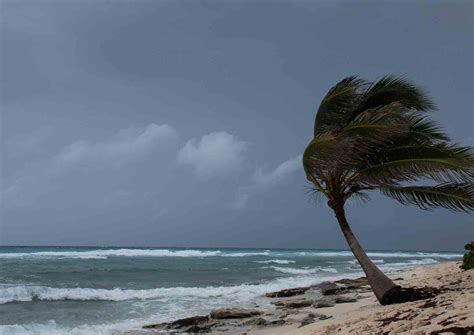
point(303, 271)
point(125, 252)
point(276, 261)
point(243, 292)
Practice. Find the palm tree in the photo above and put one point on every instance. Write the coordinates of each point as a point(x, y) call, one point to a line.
point(377, 136)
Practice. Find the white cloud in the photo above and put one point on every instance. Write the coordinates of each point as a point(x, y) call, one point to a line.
point(286, 168)
point(57, 173)
point(263, 180)
point(126, 145)
point(214, 154)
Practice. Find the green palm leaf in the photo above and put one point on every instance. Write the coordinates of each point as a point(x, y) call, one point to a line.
point(377, 136)
point(457, 197)
point(338, 103)
point(404, 163)
point(398, 89)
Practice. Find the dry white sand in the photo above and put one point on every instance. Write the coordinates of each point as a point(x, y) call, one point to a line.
point(451, 312)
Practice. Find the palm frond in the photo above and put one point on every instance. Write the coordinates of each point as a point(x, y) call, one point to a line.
point(378, 123)
point(338, 103)
point(315, 195)
point(398, 89)
point(423, 130)
point(320, 155)
point(455, 196)
point(440, 162)
point(372, 134)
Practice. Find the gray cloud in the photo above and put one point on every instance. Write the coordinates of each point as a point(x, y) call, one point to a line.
point(238, 89)
point(269, 178)
point(263, 180)
point(214, 154)
point(126, 145)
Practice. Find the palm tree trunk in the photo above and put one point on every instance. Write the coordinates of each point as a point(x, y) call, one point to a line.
point(383, 288)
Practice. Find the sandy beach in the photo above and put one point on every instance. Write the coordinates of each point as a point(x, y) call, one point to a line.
point(452, 311)
point(348, 307)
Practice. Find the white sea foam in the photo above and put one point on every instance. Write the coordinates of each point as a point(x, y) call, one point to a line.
point(105, 253)
point(245, 254)
point(243, 292)
point(408, 264)
point(276, 261)
point(415, 255)
point(376, 261)
point(387, 254)
point(203, 299)
point(52, 328)
point(301, 271)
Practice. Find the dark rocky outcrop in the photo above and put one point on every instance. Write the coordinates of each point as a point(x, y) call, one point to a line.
point(233, 313)
point(345, 285)
point(326, 294)
point(194, 324)
point(288, 292)
point(343, 300)
point(361, 281)
point(255, 322)
point(307, 321)
point(326, 286)
point(311, 318)
point(323, 303)
point(295, 303)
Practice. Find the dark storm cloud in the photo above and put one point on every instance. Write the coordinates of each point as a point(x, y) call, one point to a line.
point(182, 122)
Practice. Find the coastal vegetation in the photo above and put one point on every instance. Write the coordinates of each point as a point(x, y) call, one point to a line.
point(377, 136)
point(468, 258)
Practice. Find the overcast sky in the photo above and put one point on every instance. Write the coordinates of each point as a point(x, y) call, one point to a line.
point(182, 123)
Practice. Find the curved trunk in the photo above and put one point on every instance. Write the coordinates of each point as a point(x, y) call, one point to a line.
point(383, 288)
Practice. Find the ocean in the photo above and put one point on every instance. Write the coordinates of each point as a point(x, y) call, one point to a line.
point(82, 291)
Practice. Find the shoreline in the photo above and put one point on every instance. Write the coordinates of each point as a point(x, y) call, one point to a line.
point(346, 306)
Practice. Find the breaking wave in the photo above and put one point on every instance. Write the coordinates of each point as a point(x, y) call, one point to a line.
point(243, 292)
point(303, 271)
point(276, 261)
point(387, 254)
point(105, 253)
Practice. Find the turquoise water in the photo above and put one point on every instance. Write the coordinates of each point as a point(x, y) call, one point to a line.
point(61, 290)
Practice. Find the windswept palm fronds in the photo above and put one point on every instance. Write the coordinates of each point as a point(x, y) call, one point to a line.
point(378, 136)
